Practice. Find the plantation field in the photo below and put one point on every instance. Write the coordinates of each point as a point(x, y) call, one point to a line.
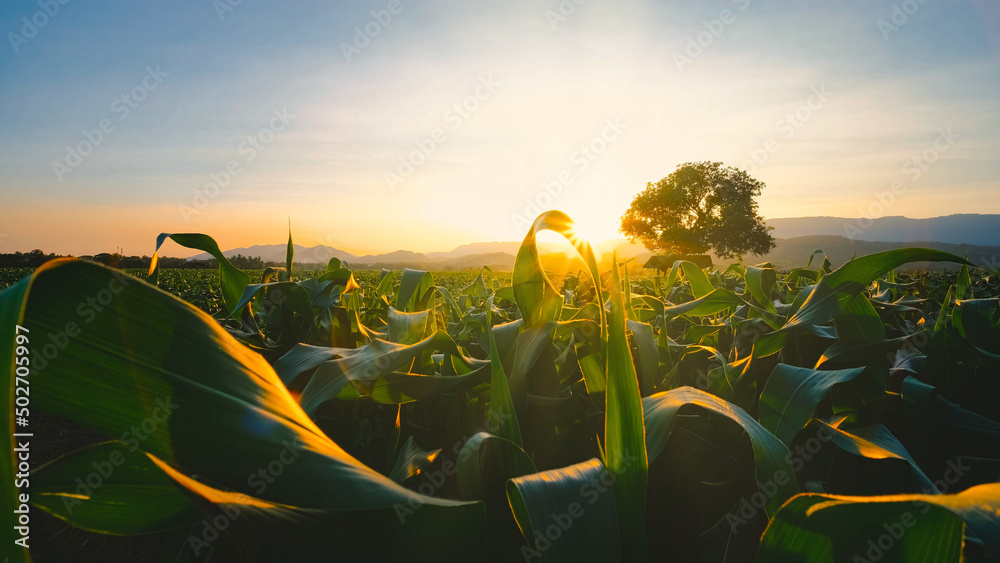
point(831, 413)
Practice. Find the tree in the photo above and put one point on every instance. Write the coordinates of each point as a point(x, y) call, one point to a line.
point(700, 206)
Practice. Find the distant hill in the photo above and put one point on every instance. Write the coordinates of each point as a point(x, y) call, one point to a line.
point(982, 230)
point(399, 256)
point(276, 253)
point(978, 236)
point(794, 252)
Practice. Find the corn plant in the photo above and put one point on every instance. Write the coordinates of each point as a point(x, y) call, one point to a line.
point(707, 415)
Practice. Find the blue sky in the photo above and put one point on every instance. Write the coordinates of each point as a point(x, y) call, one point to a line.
point(645, 86)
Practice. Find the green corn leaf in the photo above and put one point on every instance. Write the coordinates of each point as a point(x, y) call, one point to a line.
point(536, 297)
point(761, 281)
point(648, 366)
point(501, 407)
point(132, 495)
point(567, 514)
point(289, 252)
point(791, 395)
point(716, 301)
point(233, 280)
point(624, 433)
point(412, 459)
point(771, 456)
point(700, 284)
point(485, 464)
point(877, 442)
point(890, 529)
point(412, 287)
point(366, 365)
point(964, 286)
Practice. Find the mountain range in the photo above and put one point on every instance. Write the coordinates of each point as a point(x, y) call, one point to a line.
point(978, 236)
point(968, 228)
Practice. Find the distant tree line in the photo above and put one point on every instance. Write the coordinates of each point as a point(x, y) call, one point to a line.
point(37, 257)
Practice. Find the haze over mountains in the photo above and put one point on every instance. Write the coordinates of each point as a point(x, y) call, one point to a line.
point(978, 236)
point(966, 228)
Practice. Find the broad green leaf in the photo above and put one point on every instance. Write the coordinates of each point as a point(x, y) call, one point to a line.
point(233, 280)
point(964, 286)
point(624, 433)
point(953, 428)
point(760, 281)
point(366, 365)
point(791, 395)
point(529, 346)
point(859, 322)
point(478, 287)
point(275, 530)
point(889, 529)
point(409, 328)
point(412, 287)
point(672, 277)
point(877, 442)
point(700, 284)
point(771, 456)
point(536, 297)
point(858, 352)
point(112, 489)
point(398, 387)
point(649, 356)
point(485, 464)
point(975, 320)
point(289, 252)
point(568, 514)
point(943, 315)
point(716, 301)
point(501, 406)
point(411, 460)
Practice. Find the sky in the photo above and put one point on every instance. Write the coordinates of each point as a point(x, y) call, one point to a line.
point(424, 125)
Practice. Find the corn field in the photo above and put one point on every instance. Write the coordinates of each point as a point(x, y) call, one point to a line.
point(741, 414)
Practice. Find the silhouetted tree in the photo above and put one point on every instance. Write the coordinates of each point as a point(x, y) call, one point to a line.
point(700, 206)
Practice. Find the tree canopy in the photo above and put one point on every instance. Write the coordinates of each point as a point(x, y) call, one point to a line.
point(701, 206)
